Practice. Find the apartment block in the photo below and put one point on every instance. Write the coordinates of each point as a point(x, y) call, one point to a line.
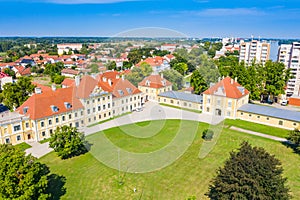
point(254, 51)
point(289, 55)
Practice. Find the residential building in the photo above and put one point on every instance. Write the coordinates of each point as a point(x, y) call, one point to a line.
point(289, 55)
point(153, 85)
point(168, 47)
point(4, 78)
point(157, 63)
point(181, 99)
point(69, 72)
point(61, 48)
point(225, 98)
point(254, 51)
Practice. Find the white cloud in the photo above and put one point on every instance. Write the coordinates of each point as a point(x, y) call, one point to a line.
point(226, 12)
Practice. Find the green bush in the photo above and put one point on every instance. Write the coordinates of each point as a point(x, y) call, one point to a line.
point(207, 134)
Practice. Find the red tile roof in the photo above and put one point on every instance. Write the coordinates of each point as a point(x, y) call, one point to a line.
point(70, 71)
point(23, 70)
point(119, 87)
point(43, 87)
point(155, 81)
point(229, 87)
point(156, 61)
point(86, 87)
point(39, 105)
point(68, 82)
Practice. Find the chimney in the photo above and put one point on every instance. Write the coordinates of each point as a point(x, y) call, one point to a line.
point(53, 87)
point(235, 79)
point(109, 82)
point(219, 79)
point(231, 81)
point(77, 80)
point(38, 90)
point(123, 77)
point(162, 75)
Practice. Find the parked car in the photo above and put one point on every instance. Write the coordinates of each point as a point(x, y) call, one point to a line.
point(284, 102)
point(138, 109)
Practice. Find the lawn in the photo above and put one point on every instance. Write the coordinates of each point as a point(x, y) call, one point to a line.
point(88, 178)
point(278, 132)
point(23, 146)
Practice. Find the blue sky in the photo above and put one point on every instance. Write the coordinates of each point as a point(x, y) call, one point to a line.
point(194, 18)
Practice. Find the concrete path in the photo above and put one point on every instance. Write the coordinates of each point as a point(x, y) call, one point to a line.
point(154, 111)
point(259, 134)
point(38, 150)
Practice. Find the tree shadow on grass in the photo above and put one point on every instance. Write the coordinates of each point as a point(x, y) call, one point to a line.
point(294, 147)
point(56, 186)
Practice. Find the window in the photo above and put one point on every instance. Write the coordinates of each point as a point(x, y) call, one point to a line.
point(77, 124)
point(103, 98)
point(218, 102)
point(7, 140)
point(267, 118)
point(87, 102)
point(258, 117)
point(50, 122)
point(295, 124)
point(81, 113)
point(208, 100)
point(70, 116)
point(88, 111)
point(108, 97)
point(63, 118)
point(250, 115)
point(242, 113)
point(43, 133)
point(164, 100)
point(99, 108)
point(134, 98)
point(70, 125)
point(280, 122)
point(99, 116)
point(171, 101)
point(228, 113)
point(207, 109)
point(104, 115)
point(56, 120)
point(98, 99)
point(190, 105)
point(94, 109)
point(18, 137)
point(178, 102)
point(93, 100)
point(76, 114)
point(103, 107)
point(126, 100)
point(50, 131)
point(42, 124)
point(27, 125)
point(130, 98)
point(229, 104)
point(89, 119)
point(109, 114)
point(185, 104)
point(108, 105)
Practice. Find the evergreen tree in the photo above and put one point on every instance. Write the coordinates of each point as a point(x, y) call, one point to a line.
point(198, 82)
point(250, 173)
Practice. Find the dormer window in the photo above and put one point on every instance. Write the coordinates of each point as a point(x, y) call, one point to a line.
point(148, 83)
point(129, 90)
point(25, 109)
point(68, 105)
point(54, 108)
point(163, 82)
point(121, 92)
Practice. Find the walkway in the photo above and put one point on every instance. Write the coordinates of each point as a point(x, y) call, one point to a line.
point(37, 149)
point(259, 134)
point(154, 111)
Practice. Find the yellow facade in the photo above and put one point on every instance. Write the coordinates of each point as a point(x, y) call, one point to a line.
point(222, 105)
point(180, 103)
point(152, 93)
point(267, 120)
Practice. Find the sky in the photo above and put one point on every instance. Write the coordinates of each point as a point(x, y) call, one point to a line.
point(191, 18)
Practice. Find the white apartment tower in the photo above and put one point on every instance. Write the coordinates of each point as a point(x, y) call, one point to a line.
point(289, 54)
point(258, 51)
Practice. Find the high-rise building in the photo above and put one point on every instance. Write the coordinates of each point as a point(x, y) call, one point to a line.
point(254, 51)
point(289, 55)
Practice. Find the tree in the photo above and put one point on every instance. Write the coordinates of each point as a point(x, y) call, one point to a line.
point(294, 137)
point(15, 94)
point(181, 67)
point(207, 134)
point(22, 177)
point(137, 74)
point(94, 68)
point(208, 69)
point(250, 173)
point(174, 77)
point(10, 72)
point(112, 65)
point(198, 82)
point(68, 142)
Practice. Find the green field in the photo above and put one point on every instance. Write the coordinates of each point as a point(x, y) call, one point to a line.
point(180, 108)
point(88, 178)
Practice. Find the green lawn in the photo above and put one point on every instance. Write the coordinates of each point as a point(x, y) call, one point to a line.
point(283, 133)
point(191, 110)
point(23, 146)
point(103, 121)
point(88, 178)
point(44, 141)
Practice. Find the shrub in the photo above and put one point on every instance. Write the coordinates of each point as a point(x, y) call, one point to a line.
point(207, 134)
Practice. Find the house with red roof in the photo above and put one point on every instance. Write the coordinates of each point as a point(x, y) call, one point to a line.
point(153, 85)
point(21, 71)
point(225, 98)
point(69, 72)
point(157, 63)
point(4, 78)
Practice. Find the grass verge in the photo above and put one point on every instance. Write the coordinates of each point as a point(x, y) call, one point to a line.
point(103, 121)
point(23, 146)
point(177, 107)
